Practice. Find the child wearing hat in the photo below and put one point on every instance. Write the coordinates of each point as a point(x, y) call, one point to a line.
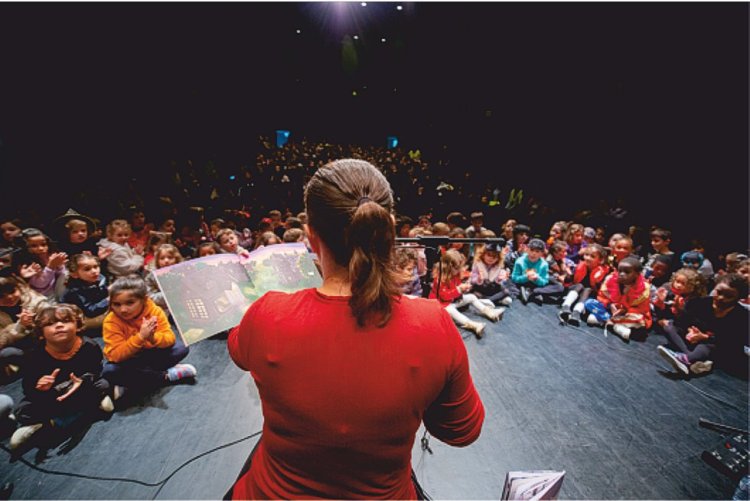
point(531, 274)
point(74, 234)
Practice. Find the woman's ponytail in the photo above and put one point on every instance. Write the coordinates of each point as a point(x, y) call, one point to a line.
point(371, 237)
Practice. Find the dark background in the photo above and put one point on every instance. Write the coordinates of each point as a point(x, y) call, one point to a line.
point(575, 102)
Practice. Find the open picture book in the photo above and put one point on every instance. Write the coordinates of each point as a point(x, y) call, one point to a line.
point(210, 294)
point(532, 485)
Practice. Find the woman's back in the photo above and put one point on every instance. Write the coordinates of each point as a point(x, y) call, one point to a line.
point(341, 403)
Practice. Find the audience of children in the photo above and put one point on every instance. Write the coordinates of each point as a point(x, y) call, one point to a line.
point(453, 293)
point(62, 380)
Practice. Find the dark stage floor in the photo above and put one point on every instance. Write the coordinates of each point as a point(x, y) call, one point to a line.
point(610, 414)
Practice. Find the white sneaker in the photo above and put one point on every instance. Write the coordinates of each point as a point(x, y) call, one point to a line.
point(106, 404)
point(496, 314)
point(592, 321)
point(701, 367)
point(506, 301)
point(22, 434)
point(622, 331)
point(673, 358)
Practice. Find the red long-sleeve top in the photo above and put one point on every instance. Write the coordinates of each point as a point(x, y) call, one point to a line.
point(342, 404)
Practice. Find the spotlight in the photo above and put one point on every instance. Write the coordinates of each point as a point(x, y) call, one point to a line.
point(356, 37)
point(399, 7)
point(299, 31)
point(364, 4)
point(382, 40)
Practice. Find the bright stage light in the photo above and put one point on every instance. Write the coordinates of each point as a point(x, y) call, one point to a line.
point(382, 40)
point(399, 7)
point(356, 37)
point(364, 4)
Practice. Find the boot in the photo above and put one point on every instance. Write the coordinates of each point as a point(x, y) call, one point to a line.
point(570, 298)
point(476, 327)
point(493, 314)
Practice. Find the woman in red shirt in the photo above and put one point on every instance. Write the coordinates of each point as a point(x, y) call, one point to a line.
point(348, 371)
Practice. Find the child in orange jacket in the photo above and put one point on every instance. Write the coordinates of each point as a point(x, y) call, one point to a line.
point(141, 349)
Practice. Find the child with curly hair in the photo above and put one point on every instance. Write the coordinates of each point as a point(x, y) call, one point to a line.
point(670, 298)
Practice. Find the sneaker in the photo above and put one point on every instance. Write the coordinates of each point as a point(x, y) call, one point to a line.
point(677, 360)
point(524, 295)
point(563, 316)
point(181, 371)
point(536, 298)
point(622, 331)
point(506, 301)
point(106, 404)
point(23, 434)
point(701, 367)
point(575, 318)
point(592, 321)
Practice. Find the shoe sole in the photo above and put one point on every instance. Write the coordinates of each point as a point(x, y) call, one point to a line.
point(679, 366)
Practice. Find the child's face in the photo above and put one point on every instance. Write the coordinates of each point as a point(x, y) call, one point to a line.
point(744, 270)
point(680, 285)
point(206, 251)
point(168, 226)
point(559, 254)
point(613, 241)
point(555, 232)
point(88, 271)
point(490, 258)
point(165, 259)
point(592, 259)
point(126, 305)
point(534, 255)
point(622, 249)
point(578, 237)
point(229, 242)
point(724, 296)
point(138, 220)
point(404, 232)
point(627, 274)
point(600, 236)
point(10, 231)
point(659, 270)
point(60, 331)
point(658, 243)
point(79, 234)
point(11, 299)
point(522, 238)
point(120, 236)
point(37, 245)
point(477, 223)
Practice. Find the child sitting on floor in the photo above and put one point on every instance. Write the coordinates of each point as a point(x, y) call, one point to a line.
point(18, 306)
point(41, 267)
point(62, 376)
point(165, 255)
point(453, 294)
point(141, 349)
point(712, 328)
point(531, 275)
point(587, 277)
point(670, 298)
point(123, 259)
point(406, 264)
point(625, 294)
point(87, 289)
point(489, 279)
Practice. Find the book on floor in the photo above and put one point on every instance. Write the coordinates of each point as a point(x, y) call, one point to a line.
point(532, 485)
point(209, 295)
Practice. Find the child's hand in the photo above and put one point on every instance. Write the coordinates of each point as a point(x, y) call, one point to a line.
point(661, 294)
point(464, 287)
point(26, 318)
point(29, 270)
point(532, 275)
point(503, 275)
point(148, 327)
point(695, 335)
point(103, 253)
point(663, 322)
point(46, 382)
point(76, 384)
point(57, 260)
point(139, 249)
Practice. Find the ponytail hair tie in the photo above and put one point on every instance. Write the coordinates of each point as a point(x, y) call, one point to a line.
point(363, 200)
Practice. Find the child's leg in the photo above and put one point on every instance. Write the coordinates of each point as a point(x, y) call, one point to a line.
point(553, 288)
point(164, 358)
point(463, 321)
point(485, 307)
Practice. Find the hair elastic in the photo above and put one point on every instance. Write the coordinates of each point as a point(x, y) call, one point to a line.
point(363, 200)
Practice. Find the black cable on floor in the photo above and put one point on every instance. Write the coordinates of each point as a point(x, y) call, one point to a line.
point(159, 484)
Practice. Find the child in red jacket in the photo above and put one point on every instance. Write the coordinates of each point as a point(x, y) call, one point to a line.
point(626, 295)
point(587, 276)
